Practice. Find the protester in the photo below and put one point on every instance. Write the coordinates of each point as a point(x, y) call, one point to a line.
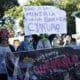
point(54, 42)
point(35, 40)
point(27, 44)
point(43, 43)
point(67, 41)
point(5, 50)
point(16, 44)
point(74, 44)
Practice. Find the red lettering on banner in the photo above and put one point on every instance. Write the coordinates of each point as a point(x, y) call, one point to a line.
point(53, 65)
point(65, 62)
point(41, 69)
point(58, 62)
point(74, 59)
point(45, 67)
point(36, 70)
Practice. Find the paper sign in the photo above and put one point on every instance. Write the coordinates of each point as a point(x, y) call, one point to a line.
point(44, 19)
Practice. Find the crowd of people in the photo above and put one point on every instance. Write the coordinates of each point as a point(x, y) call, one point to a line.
point(44, 41)
point(30, 43)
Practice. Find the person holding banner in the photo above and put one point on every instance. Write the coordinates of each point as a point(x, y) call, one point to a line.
point(27, 44)
point(5, 48)
point(43, 43)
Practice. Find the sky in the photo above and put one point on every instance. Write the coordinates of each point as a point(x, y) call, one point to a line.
point(22, 2)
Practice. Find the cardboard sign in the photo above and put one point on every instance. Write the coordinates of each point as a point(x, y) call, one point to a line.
point(44, 19)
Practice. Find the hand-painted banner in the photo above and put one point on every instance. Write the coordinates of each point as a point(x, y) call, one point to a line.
point(44, 19)
point(50, 61)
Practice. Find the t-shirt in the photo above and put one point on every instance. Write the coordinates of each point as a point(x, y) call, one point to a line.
point(43, 45)
point(3, 51)
point(25, 46)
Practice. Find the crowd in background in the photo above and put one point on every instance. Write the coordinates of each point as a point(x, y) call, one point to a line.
point(44, 41)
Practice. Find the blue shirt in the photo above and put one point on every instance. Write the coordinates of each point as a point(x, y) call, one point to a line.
point(25, 46)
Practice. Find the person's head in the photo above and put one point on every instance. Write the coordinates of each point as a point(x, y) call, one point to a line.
point(28, 38)
point(16, 43)
point(73, 41)
point(43, 37)
point(4, 35)
point(68, 39)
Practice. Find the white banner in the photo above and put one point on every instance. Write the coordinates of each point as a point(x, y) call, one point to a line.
point(44, 19)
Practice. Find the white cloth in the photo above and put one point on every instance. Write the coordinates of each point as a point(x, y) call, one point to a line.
point(43, 45)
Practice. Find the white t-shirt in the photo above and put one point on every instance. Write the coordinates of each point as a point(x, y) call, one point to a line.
point(3, 51)
point(43, 45)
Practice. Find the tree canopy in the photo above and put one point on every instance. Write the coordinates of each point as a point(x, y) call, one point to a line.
point(5, 5)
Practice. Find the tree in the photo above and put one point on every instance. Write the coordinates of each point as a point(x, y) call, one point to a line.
point(5, 5)
point(15, 12)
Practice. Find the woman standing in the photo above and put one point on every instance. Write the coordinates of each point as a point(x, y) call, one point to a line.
point(5, 48)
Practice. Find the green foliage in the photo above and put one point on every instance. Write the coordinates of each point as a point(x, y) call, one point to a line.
point(21, 24)
point(15, 12)
point(41, 2)
point(78, 14)
point(5, 5)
